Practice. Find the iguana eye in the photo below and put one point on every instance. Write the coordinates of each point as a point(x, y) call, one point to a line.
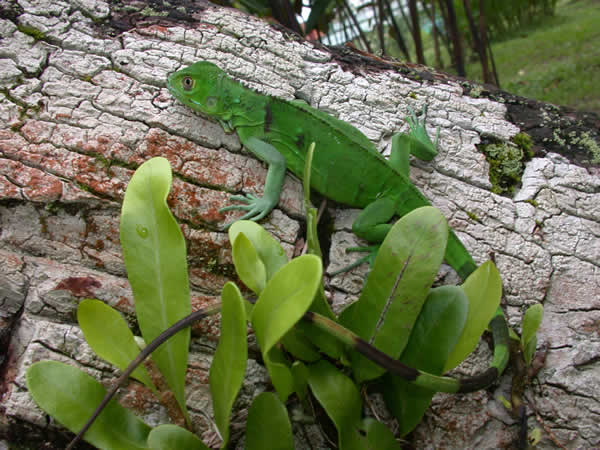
point(187, 83)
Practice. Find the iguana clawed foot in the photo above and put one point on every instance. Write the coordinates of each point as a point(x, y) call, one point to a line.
point(257, 207)
point(424, 149)
point(369, 258)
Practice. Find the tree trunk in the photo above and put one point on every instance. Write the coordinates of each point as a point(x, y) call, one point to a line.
point(458, 58)
point(284, 14)
point(485, 44)
point(478, 41)
point(363, 38)
point(416, 30)
point(83, 103)
point(435, 32)
point(446, 34)
point(380, 16)
point(396, 33)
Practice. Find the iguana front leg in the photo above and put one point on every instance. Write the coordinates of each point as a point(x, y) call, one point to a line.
point(416, 142)
point(259, 207)
point(372, 223)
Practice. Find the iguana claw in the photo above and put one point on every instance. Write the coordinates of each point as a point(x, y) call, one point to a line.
point(370, 258)
point(257, 207)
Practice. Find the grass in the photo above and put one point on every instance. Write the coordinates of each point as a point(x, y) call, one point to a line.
point(556, 60)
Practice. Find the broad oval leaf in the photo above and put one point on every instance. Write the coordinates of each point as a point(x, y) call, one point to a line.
point(172, 437)
point(281, 304)
point(285, 299)
point(270, 252)
point(434, 335)
point(484, 290)
point(268, 425)
point(108, 334)
point(405, 268)
point(340, 398)
point(155, 258)
point(248, 265)
point(229, 363)
point(437, 329)
point(71, 396)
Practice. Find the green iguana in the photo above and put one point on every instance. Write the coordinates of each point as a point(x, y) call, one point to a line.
point(347, 168)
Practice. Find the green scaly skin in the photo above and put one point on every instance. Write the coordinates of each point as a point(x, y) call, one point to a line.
point(348, 170)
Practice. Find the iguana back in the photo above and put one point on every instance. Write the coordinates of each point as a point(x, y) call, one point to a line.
point(346, 166)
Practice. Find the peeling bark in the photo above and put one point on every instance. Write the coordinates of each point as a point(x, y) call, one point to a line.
point(83, 103)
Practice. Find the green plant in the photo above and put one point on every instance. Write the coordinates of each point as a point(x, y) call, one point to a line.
point(377, 340)
point(526, 364)
point(531, 322)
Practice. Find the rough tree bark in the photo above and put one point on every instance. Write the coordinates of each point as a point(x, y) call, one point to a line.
point(83, 103)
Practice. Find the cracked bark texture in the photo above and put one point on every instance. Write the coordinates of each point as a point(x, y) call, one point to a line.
point(83, 102)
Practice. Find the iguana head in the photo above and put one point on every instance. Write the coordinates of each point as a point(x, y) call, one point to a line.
point(205, 88)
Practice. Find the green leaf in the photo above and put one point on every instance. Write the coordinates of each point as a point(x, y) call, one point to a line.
point(71, 396)
point(406, 265)
point(534, 436)
point(108, 334)
point(512, 335)
point(268, 425)
point(281, 304)
point(299, 346)
point(434, 335)
point(155, 258)
point(171, 437)
point(279, 370)
point(326, 342)
point(340, 399)
point(529, 350)
point(437, 329)
point(505, 402)
point(300, 373)
point(248, 265)
point(229, 363)
point(531, 323)
point(269, 251)
point(484, 290)
point(379, 436)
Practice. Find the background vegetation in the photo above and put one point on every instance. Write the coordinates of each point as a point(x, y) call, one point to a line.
point(555, 59)
point(543, 49)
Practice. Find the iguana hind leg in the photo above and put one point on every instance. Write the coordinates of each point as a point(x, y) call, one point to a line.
point(371, 225)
